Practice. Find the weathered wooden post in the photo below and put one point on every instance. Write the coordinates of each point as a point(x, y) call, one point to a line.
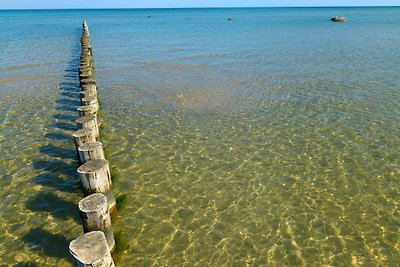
point(91, 151)
point(96, 178)
point(86, 51)
point(83, 136)
point(88, 122)
point(85, 64)
point(86, 57)
point(83, 70)
point(84, 76)
point(92, 88)
point(87, 81)
point(88, 91)
point(86, 61)
point(90, 101)
point(91, 250)
point(95, 216)
point(87, 110)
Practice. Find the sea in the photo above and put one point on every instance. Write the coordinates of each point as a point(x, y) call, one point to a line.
point(235, 136)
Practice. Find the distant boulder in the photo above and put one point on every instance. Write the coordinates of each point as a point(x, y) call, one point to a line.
point(338, 19)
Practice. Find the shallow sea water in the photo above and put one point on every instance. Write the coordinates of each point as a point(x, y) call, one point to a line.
point(268, 140)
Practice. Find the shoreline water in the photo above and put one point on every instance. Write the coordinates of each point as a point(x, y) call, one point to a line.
point(286, 137)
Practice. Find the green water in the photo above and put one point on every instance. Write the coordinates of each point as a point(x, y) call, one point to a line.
point(269, 140)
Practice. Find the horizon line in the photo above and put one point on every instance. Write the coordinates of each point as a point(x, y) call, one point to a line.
point(217, 7)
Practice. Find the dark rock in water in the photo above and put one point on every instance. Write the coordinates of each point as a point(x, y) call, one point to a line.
point(338, 19)
point(230, 19)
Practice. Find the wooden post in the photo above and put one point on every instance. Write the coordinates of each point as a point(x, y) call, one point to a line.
point(91, 250)
point(88, 122)
point(83, 70)
point(85, 64)
point(90, 101)
point(85, 60)
point(91, 151)
point(87, 110)
point(95, 216)
point(86, 51)
point(83, 136)
point(90, 88)
point(85, 76)
point(86, 93)
point(86, 57)
point(96, 178)
point(87, 81)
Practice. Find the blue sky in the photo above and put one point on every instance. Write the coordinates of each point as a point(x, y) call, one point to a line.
point(28, 4)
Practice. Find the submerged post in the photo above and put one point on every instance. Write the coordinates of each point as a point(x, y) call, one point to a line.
point(91, 250)
point(95, 216)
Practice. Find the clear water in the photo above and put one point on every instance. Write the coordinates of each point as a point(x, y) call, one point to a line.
point(268, 140)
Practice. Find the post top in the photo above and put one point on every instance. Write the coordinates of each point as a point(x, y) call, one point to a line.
point(81, 132)
point(92, 165)
point(84, 119)
point(89, 98)
point(92, 203)
point(89, 80)
point(89, 248)
point(85, 108)
point(89, 85)
point(90, 145)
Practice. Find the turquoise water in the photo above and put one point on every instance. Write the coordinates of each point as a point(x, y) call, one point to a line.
point(268, 140)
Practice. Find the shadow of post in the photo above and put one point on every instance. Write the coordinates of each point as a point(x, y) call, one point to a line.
point(46, 243)
point(26, 264)
point(58, 169)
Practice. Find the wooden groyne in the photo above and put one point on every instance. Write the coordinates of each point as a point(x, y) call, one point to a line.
point(95, 246)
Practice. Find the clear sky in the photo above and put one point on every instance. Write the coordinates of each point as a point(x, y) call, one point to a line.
point(39, 4)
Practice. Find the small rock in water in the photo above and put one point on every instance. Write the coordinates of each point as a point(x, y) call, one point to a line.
point(230, 19)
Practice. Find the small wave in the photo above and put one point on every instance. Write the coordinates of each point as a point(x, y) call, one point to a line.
point(29, 78)
point(136, 67)
point(27, 66)
point(176, 50)
point(157, 63)
point(195, 57)
point(180, 67)
point(205, 56)
point(167, 67)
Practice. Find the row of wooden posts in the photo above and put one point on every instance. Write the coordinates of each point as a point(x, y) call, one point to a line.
point(94, 248)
